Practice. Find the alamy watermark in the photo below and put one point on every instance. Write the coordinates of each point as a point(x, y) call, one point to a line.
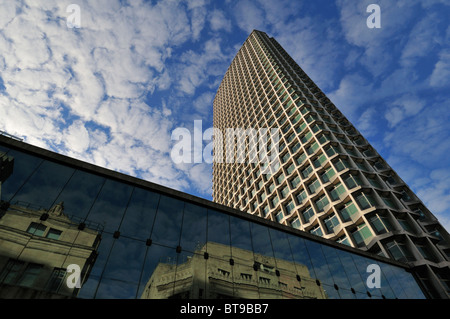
point(74, 279)
point(374, 279)
point(74, 19)
point(235, 145)
point(374, 19)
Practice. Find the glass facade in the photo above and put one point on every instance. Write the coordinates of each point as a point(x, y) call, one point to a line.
point(72, 230)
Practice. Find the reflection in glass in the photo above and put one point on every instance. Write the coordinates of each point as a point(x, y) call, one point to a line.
point(240, 234)
point(16, 169)
point(130, 242)
point(121, 275)
point(194, 276)
point(158, 276)
point(218, 231)
point(79, 194)
point(355, 280)
point(319, 262)
point(43, 186)
point(140, 214)
point(110, 205)
point(193, 233)
point(167, 226)
point(336, 268)
point(36, 247)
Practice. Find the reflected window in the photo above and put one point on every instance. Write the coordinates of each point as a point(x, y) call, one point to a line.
point(11, 272)
point(30, 274)
point(54, 233)
point(36, 229)
point(56, 279)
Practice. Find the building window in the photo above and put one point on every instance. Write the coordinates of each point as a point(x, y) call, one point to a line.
point(296, 223)
point(275, 201)
point(331, 222)
point(30, 274)
point(329, 173)
point(365, 201)
point(301, 158)
point(56, 280)
point(343, 240)
point(36, 229)
point(316, 231)
point(319, 161)
point(307, 214)
point(399, 251)
point(341, 164)
point(352, 181)
point(301, 196)
point(295, 181)
point(314, 186)
point(389, 202)
point(322, 202)
point(289, 207)
point(405, 225)
point(285, 192)
point(11, 271)
point(280, 178)
point(54, 233)
point(380, 223)
point(331, 150)
point(312, 148)
point(279, 216)
point(362, 234)
point(290, 169)
point(337, 191)
point(307, 171)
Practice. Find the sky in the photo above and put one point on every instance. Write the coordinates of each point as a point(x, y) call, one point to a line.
point(108, 81)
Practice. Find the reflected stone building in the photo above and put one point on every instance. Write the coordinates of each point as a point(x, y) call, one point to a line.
point(267, 279)
point(160, 243)
point(331, 182)
point(36, 246)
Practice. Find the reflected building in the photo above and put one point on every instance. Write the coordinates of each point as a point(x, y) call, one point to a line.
point(37, 245)
point(133, 239)
point(330, 182)
point(247, 276)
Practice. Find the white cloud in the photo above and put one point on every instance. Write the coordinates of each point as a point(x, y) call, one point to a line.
point(218, 21)
point(440, 77)
point(436, 195)
point(201, 175)
point(85, 92)
point(402, 108)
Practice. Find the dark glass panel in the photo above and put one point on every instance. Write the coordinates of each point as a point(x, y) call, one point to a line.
point(167, 227)
point(218, 233)
point(98, 259)
point(23, 167)
point(158, 276)
point(43, 186)
point(240, 234)
point(193, 233)
point(121, 275)
point(79, 195)
point(109, 207)
point(336, 268)
point(353, 275)
point(140, 214)
point(319, 262)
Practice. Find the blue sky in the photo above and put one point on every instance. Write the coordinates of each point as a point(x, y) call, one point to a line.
point(112, 91)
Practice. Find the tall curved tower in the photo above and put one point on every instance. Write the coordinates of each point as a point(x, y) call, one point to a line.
point(331, 182)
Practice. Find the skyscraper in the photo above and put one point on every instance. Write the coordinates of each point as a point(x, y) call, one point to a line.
point(331, 182)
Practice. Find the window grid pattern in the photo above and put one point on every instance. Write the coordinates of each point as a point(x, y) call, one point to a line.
point(264, 88)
